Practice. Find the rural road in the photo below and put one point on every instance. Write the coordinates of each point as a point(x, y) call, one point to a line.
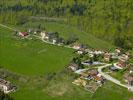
point(108, 77)
point(8, 27)
point(39, 37)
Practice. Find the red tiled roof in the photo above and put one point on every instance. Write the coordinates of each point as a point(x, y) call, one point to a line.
point(24, 33)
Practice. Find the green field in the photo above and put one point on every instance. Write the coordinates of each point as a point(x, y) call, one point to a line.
point(67, 31)
point(31, 57)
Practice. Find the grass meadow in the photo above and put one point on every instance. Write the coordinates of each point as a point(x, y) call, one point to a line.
point(31, 57)
point(36, 61)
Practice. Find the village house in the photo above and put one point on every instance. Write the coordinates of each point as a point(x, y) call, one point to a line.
point(129, 78)
point(44, 35)
point(81, 51)
point(50, 36)
point(73, 67)
point(89, 74)
point(118, 50)
point(131, 69)
point(99, 79)
point(98, 52)
point(6, 86)
point(87, 62)
point(77, 46)
point(93, 72)
point(107, 56)
point(23, 34)
point(125, 56)
point(84, 75)
point(114, 55)
point(130, 81)
point(88, 50)
point(122, 61)
point(54, 41)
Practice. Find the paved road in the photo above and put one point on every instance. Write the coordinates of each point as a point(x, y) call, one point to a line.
point(108, 77)
point(39, 37)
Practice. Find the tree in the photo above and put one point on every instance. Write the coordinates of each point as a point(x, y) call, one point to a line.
point(73, 38)
point(5, 96)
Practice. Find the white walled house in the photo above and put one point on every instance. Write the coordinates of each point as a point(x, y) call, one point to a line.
point(80, 52)
point(6, 86)
point(54, 41)
point(98, 52)
point(43, 35)
point(77, 46)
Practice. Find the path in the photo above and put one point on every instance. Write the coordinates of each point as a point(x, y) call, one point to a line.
point(8, 27)
point(48, 18)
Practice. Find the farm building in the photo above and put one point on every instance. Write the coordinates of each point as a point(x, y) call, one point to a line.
point(23, 34)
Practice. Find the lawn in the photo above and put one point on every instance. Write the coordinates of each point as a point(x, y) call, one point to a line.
point(58, 88)
point(61, 88)
point(110, 91)
point(31, 57)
